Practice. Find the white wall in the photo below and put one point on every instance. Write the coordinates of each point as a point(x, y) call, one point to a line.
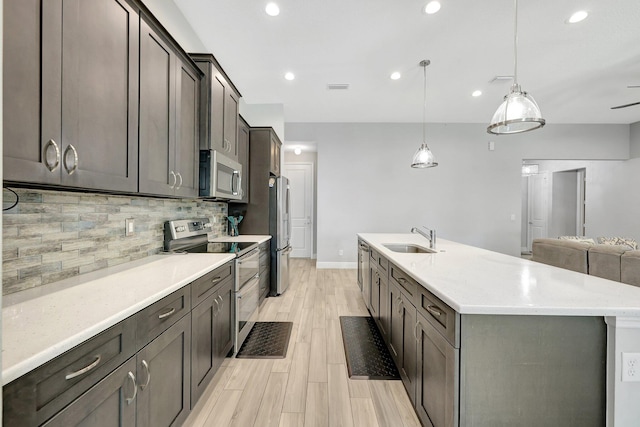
point(564, 204)
point(634, 146)
point(257, 115)
point(174, 21)
point(365, 183)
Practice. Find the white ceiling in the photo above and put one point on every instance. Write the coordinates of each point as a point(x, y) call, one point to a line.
point(575, 72)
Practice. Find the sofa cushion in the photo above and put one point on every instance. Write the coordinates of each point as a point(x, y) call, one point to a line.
point(604, 261)
point(579, 239)
point(630, 267)
point(568, 254)
point(624, 241)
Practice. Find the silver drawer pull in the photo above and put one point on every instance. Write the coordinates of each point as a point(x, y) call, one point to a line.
point(218, 309)
point(83, 370)
point(435, 310)
point(216, 279)
point(51, 143)
point(146, 367)
point(70, 170)
point(402, 280)
point(135, 388)
point(167, 314)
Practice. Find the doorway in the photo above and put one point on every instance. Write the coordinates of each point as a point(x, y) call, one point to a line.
point(301, 182)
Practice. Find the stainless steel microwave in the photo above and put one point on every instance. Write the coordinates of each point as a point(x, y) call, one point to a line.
point(220, 176)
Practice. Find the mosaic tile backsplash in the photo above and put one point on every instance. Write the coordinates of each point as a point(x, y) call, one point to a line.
point(53, 235)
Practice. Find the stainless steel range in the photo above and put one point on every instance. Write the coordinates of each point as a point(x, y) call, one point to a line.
point(191, 236)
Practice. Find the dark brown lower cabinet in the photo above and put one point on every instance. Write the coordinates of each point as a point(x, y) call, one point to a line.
point(212, 337)
point(108, 403)
point(402, 337)
point(436, 399)
point(164, 370)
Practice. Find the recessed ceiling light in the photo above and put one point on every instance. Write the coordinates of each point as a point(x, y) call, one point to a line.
point(297, 150)
point(580, 15)
point(289, 76)
point(432, 7)
point(476, 93)
point(395, 75)
point(272, 9)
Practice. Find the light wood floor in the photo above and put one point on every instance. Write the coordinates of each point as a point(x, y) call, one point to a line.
point(310, 387)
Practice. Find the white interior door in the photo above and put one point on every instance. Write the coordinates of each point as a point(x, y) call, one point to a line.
point(538, 211)
point(301, 182)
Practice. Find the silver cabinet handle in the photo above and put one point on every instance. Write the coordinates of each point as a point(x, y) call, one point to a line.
point(51, 143)
point(221, 301)
point(435, 310)
point(399, 299)
point(218, 309)
point(146, 367)
point(415, 331)
point(167, 313)
point(84, 370)
point(175, 179)
point(71, 170)
point(135, 388)
point(216, 279)
point(179, 176)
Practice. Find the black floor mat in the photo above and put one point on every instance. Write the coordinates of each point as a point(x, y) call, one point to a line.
point(266, 340)
point(367, 355)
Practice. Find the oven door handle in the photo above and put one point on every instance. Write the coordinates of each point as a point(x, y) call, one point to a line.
point(248, 255)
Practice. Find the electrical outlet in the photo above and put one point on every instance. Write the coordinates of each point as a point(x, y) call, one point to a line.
point(129, 227)
point(340, 252)
point(630, 367)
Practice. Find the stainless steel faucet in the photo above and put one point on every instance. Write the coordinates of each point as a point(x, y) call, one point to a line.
point(431, 237)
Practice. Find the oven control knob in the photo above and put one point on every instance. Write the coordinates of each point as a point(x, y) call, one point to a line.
point(207, 225)
point(180, 228)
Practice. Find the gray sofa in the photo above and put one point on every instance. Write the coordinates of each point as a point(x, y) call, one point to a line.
point(613, 262)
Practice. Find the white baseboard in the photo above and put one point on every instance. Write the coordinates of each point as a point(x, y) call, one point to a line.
point(337, 265)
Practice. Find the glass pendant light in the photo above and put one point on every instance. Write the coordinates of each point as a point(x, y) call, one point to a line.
point(423, 158)
point(519, 111)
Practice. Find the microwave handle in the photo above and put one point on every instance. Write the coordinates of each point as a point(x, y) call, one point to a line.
point(235, 188)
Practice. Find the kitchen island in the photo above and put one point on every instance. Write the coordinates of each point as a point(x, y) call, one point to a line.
point(516, 341)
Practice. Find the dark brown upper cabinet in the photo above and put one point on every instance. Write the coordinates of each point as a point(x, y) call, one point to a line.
point(219, 102)
point(169, 122)
point(71, 93)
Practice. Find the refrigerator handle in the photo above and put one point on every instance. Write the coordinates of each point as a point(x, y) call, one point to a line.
point(288, 215)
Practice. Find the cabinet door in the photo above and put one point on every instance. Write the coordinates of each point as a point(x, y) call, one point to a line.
point(217, 112)
point(203, 345)
point(407, 361)
point(437, 377)
point(32, 153)
point(243, 158)
point(231, 122)
point(108, 403)
point(395, 323)
point(187, 140)
point(164, 368)
point(157, 113)
point(383, 308)
point(100, 95)
point(224, 323)
point(275, 155)
point(374, 308)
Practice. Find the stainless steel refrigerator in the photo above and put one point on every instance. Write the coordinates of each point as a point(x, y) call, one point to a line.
point(280, 230)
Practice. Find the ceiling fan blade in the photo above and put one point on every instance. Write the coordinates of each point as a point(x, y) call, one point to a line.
point(626, 105)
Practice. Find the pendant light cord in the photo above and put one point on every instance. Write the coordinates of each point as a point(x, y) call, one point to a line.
point(424, 105)
point(515, 44)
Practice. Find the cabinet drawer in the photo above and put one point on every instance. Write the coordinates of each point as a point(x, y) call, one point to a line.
point(264, 263)
point(35, 397)
point(443, 318)
point(203, 287)
point(406, 283)
point(158, 317)
point(379, 261)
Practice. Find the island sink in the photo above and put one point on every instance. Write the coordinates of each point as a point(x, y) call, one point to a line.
point(408, 248)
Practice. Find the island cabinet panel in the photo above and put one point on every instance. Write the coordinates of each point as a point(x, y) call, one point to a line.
point(71, 93)
point(532, 371)
point(437, 373)
point(402, 337)
point(109, 403)
point(379, 306)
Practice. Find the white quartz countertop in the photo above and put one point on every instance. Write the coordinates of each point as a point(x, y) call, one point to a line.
point(259, 238)
point(477, 281)
point(42, 323)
